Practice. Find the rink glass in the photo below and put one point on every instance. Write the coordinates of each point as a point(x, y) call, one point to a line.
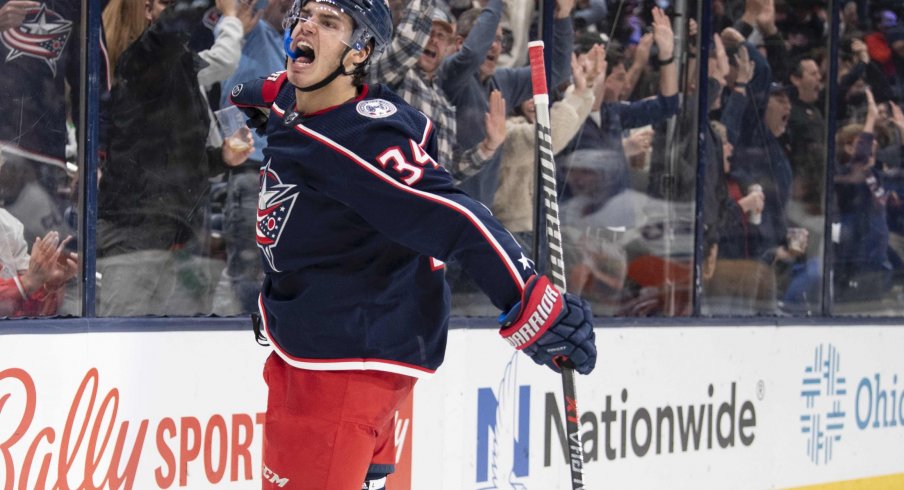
point(648, 260)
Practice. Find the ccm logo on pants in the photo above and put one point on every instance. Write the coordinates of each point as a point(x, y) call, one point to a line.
point(272, 477)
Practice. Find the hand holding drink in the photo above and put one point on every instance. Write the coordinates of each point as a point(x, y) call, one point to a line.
point(753, 203)
point(798, 239)
point(756, 214)
point(240, 141)
point(238, 147)
point(237, 140)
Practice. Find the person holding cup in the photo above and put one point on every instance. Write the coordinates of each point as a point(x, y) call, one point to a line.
point(740, 228)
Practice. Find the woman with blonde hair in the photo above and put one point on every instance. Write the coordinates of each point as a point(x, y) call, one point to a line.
point(124, 21)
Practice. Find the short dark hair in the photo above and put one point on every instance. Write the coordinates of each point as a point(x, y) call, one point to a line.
point(614, 57)
point(797, 69)
point(844, 48)
point(359, 74)
point(466, 21)
point(584, 41)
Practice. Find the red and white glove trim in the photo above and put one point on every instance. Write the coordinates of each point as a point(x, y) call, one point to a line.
point(531, 318)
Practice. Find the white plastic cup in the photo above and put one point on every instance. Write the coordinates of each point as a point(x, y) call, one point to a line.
point(233, 129)
point(754, 217)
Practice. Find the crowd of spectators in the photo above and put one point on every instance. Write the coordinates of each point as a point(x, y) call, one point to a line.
point(779, 129)
point(177, 203)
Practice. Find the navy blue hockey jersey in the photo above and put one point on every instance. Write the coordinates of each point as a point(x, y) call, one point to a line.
point(355, 218)
point(38, 58)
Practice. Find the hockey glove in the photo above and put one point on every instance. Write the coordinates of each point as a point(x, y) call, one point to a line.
point(257, 119)
point(551, 328)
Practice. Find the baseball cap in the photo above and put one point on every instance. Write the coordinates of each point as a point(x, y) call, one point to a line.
point(441, 17)
point(888, 19)
point(460, 5)
point(776, 88)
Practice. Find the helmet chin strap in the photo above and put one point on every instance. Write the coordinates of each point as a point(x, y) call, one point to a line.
point(340, 70)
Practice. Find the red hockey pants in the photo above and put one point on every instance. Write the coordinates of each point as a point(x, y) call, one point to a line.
point(325, 429)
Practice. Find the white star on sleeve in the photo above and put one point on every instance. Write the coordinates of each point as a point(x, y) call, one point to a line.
point(524, 261)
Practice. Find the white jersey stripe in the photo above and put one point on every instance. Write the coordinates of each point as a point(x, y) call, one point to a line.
point(340, 364)
point(428, 128)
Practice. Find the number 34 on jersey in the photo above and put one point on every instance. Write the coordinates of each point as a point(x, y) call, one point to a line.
point(411, 173)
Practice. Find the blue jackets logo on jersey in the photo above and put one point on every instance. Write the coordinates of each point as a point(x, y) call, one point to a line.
point(43, 35)
point(274, 206)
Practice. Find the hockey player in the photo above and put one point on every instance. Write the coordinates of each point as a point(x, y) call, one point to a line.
point(354, 219)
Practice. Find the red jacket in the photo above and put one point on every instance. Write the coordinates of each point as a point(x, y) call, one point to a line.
point(39, 303)
point(878, 49)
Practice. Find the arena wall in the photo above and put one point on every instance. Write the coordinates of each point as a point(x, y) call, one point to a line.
point(745, 407)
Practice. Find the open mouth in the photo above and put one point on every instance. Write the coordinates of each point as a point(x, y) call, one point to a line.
point(491, 58)
point(430, 53)
point(304, 53)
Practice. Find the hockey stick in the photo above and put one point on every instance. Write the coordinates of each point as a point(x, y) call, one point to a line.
point(554, 239)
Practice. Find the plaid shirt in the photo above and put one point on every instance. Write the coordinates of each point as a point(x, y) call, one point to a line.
point(398, 70)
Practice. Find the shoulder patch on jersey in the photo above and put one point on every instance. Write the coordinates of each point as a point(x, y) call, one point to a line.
point(237, 89)
point(376, 108)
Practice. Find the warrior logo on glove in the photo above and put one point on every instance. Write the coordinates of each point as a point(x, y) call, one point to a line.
point(551, 327)
point(549, 305)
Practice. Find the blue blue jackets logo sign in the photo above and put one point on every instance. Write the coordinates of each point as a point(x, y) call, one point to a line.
point(823, 391)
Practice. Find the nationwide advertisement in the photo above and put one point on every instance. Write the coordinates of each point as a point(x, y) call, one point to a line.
point(678, 408)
